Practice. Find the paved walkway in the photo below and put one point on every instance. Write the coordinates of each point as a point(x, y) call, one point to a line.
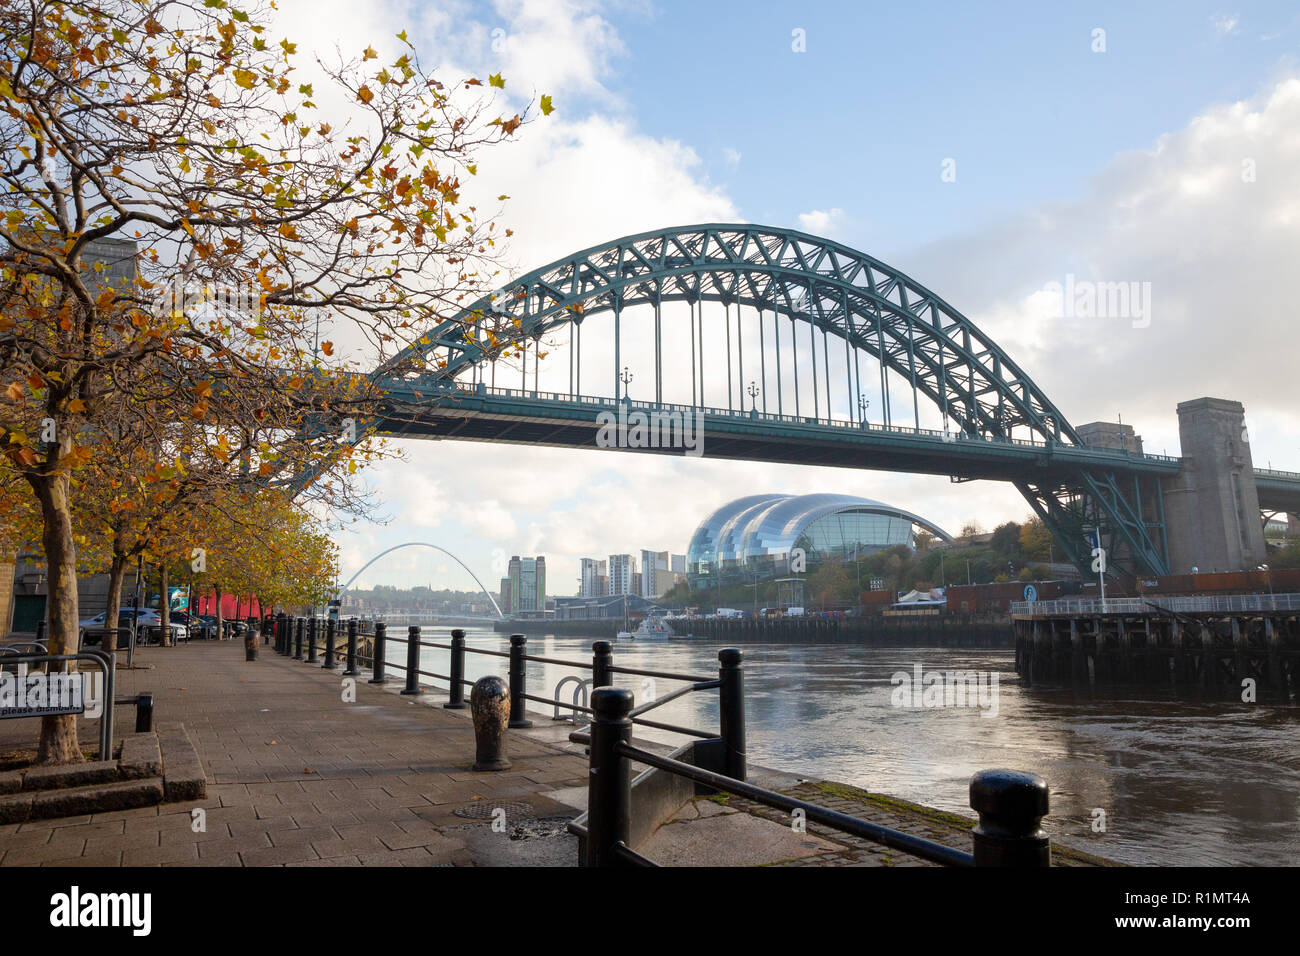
point(297, 777)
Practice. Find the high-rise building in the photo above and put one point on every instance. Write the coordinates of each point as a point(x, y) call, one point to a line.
point(589, 583)
point(620, 574)
point(527, 581)
point(660, 570)
point(507, 592)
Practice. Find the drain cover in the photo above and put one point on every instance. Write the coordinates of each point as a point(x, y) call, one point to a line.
point(484, 809)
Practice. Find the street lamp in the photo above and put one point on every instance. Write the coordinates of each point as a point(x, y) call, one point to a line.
point(863, 404)
point(626, 379)
point(753, 396)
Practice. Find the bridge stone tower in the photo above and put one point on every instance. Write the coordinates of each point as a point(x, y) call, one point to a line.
point(1212, 505)
point(1111, 435)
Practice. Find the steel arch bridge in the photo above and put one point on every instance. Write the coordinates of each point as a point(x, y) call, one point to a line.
point(420, 544)
point(996, 423)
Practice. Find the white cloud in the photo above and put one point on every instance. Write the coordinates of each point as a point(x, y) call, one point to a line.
point(1225, 24)
point(731, 156)
point(1208, 215)
point(831, 223)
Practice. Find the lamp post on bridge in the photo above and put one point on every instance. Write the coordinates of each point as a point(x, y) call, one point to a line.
point(863, 404)
point(753, 397)
point(626, 379)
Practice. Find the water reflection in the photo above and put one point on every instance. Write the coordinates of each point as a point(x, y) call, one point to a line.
point(1181, 782)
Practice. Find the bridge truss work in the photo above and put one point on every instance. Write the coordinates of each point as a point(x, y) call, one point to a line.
point(824, 326)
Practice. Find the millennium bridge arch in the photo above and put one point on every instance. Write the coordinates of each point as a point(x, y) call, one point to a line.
point(421, 544)
point(995, 421)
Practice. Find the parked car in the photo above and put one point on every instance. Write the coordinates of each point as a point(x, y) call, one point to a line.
point(196, 625)
point(148, 618)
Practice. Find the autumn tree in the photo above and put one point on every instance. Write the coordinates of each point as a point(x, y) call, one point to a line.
point(178, 218)
point(1035, 538)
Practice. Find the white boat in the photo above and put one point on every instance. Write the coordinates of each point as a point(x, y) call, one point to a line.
point(651, 629)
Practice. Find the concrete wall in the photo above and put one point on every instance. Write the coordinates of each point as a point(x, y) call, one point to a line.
point(1212, 505)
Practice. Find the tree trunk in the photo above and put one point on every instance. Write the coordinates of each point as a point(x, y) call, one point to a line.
point(164, 608)
point(113, 610)
point(58, 743)
point(216, 588)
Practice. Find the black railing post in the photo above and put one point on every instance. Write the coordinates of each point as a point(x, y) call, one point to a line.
point(412, 660)
point(731, 711)
point(518, 681)
point(377, 651)
point(351, 669)
point(144, 714)
point(312, 622)
point(330, 626)
point(1011, 805)
point(609, 783)
point(295, 638)
point(456, 693)
point(602, 664)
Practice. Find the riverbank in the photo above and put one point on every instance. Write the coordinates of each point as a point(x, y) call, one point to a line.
point(938, 630)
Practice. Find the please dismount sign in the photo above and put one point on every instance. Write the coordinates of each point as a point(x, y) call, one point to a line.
point(40, 695)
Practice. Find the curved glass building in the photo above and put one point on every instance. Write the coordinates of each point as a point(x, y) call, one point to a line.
point(754, 536)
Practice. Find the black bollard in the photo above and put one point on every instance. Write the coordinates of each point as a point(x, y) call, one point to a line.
point(144, 714)
point(609, 783)
point(250, 641)
point(311, 641)
point(378, 650)
point(412, 660)
point(602, 664)
point(456, 693)
point(329, 644)
point(518, 681)
point(298, 625)
point(1011, 805)
point(731, 711)
point(489, 702)
point(351, 669)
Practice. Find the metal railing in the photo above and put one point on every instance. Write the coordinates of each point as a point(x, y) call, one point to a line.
point(288, 633)
point(1154, 604)
point(1010, 805)
point(947, 436)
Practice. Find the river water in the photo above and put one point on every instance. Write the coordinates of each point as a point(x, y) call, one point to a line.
point(1179, 782)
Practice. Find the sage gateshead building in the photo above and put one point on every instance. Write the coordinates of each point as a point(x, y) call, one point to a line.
point(754, 537)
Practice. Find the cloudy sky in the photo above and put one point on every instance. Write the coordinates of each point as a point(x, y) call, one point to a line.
point(1159, 145)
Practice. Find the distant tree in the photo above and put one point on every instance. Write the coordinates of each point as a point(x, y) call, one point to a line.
point(1006, 539)
point(970, 531)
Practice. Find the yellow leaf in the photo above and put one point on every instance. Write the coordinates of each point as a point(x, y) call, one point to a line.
point(364, 94)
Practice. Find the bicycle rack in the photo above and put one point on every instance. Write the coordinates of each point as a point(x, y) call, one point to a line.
point(577, 718)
